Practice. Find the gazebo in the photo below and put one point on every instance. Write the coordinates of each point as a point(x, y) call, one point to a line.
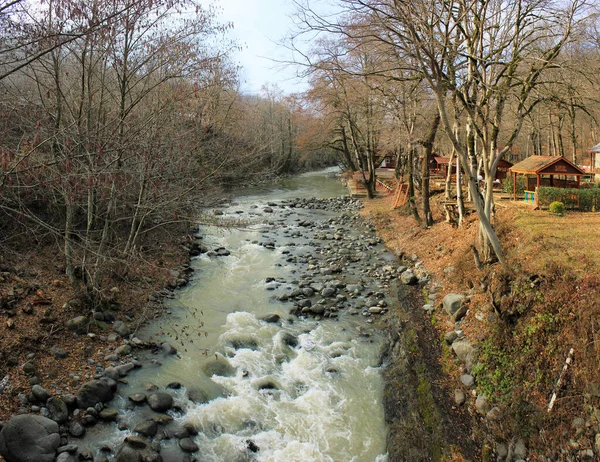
point(550, 171)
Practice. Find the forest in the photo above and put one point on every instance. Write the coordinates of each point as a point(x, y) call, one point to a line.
point(118, 118)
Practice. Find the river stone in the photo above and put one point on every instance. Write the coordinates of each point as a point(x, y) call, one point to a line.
point(121, 328)
point(109, 415)
point(128, 454)
point(317, 309)
point(94, 392)
point(78, 324)
point(354, 288)
point(452, 303)
point(328, 292)
point(459, 397)
point(188, 445)
point(289, 339)
point(60, 353)
point(408, 278)
point(168, 349)
point(146, 427)
point(221, 367)
point(125, 369)
point(136, 442)
point(123, 350)
point(137, 398)
point(520, 450)
point(112, 373)
point(29, 438)
point(40, 393)
point(70, 400)
point(29, 368)
point(482, 405)
point(462, 348)
point(467, 380)
point(272, 318)
point(160, 401)
point(76, 429)
point(57, 410)
point(450, 337)
point(66, 457)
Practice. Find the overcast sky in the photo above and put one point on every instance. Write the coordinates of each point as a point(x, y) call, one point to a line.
point(258, 26)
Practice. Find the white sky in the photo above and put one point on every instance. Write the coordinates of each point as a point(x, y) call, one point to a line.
point(258, 26)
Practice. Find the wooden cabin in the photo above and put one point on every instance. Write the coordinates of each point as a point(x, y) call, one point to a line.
point(502, 170)
point(388, 161)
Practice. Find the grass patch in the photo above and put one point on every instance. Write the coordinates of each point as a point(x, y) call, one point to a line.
point(541, 241)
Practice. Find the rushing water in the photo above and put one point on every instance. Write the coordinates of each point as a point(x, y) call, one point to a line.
point(317, 401)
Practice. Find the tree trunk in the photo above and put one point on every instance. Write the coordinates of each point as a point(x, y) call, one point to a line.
point(411, 184)
point(428, 148)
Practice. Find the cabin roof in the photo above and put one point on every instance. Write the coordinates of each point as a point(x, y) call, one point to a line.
point(546, 165)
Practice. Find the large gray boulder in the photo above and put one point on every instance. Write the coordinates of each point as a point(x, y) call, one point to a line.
point(29, 438)
point(452, 303)
point(94, 392)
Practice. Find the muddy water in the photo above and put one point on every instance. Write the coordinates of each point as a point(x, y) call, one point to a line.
point(302, 389)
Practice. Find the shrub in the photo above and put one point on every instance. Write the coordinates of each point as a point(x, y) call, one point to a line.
point(557, 208)
point(507, 184)
point(587, 199)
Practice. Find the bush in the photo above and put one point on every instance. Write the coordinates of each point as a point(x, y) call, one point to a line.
point(557, 208)
point(507, 184)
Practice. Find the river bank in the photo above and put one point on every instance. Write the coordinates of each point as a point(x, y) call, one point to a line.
point(505, 332)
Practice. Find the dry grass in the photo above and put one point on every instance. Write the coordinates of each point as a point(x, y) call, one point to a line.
point(541, 241)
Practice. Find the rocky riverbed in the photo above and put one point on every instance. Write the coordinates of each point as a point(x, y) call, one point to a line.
point(340, 271)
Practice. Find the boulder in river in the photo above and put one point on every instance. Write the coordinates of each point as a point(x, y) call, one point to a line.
point(272, 318)
point(146, 427)
point(160, 401)
point(29, 438)
point(221, 367)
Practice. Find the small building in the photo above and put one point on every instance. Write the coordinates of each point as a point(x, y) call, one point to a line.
point(439, 166)
point(388, 161)
point(594, 153)
point(502, 170)
point(552, 171)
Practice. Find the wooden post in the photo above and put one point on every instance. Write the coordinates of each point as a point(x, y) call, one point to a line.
point(539, 180)
point(514, 186)
point(568, 361)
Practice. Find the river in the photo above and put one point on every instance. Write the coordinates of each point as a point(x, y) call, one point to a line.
point(305, 388)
